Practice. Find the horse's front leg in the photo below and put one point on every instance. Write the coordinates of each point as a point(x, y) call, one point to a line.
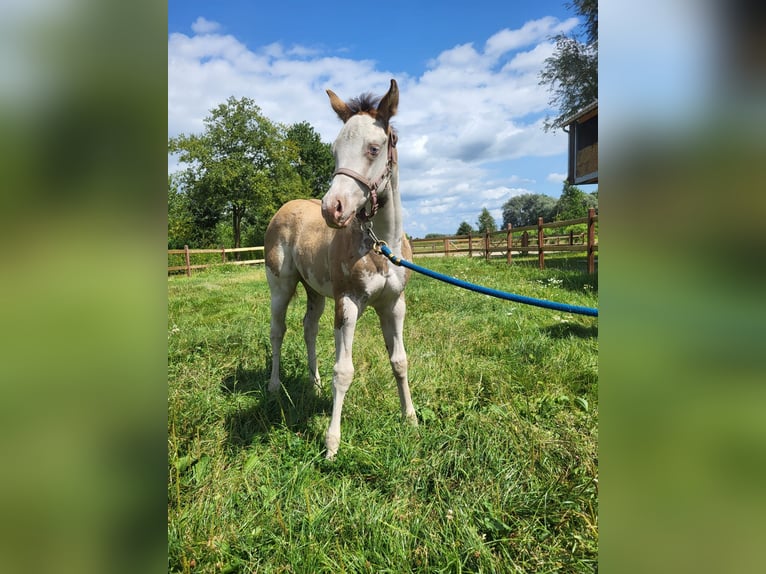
point(392, 325)
point(347, 312)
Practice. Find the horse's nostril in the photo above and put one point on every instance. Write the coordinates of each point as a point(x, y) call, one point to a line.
point(338, 207)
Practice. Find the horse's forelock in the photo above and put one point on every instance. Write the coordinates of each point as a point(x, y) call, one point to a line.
point(364, 104)
point(367, 103)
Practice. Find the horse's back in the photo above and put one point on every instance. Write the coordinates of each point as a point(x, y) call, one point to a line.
point(298, 238)
point(292, 212)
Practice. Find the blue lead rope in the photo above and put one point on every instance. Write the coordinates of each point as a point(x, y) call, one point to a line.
point(485, 290)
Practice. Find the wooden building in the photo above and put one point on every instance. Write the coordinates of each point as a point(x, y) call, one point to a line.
point(582, 128)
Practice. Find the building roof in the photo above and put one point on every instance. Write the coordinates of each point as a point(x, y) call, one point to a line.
point(580, 116)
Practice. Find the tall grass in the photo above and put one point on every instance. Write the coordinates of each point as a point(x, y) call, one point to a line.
point(500, 476)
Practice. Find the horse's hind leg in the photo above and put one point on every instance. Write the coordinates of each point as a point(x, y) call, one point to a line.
point(282, 289)
point(314, 310)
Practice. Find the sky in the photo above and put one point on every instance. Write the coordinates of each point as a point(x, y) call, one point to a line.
point(471, 108)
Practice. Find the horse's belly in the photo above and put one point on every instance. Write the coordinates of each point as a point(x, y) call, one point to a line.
point(317, 278)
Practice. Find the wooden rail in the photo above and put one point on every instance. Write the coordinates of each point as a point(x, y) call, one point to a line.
point(518, 241)
point(187, 253)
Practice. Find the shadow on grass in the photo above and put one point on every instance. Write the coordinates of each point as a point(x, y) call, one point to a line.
point(297, 402)
point(566, 330)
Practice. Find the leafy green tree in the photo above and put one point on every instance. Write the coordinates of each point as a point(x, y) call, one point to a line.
point(573, 203)
point(524, 209)
point(180, 219)
point(591, 200)
point(315, 160)
point(571, 73)
point(464, 229)
point(486, 222)
point(241, 165)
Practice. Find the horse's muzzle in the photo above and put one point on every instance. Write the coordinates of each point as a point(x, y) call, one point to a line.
point(334, 213)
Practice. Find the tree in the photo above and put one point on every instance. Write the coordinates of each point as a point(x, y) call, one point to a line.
point(591, 200)
point(240, 166)
point(180, 219)
point(573, 203)
point(571, 73)
point(486, 222)
point(524, 209)
point(464, 229)
point(316, 163)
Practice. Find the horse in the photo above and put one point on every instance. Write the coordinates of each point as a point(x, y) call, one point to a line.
point(327, 246)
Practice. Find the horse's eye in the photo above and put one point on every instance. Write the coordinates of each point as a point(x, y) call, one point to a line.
point(374, 150)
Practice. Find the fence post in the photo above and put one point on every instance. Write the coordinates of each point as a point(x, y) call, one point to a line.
point(186, 256)
point(509, 241)
point(446, 246)
point(591, 240)
point(486, 244)
point(223, 254)
point(470, 245)
point(540, 241)
point(524, 243)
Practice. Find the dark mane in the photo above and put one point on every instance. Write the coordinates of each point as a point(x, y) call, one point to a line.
point(366, 103)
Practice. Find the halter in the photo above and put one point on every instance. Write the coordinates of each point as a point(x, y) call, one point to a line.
point(374, 185)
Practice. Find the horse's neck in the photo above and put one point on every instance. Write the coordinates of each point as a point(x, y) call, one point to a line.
point(388, 224)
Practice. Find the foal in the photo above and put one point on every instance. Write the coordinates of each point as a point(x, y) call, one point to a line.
point(326, 247)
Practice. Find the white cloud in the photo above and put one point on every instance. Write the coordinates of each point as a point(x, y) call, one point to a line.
point(203, 26)
point(532, 59)
point(530, 33)
point(466, 125)
point(463, 56)
point(556, 177)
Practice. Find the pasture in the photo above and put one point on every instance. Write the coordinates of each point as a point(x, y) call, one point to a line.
point(500, 476)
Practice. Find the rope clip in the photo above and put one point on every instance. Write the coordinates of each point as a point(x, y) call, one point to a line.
point(377, 244)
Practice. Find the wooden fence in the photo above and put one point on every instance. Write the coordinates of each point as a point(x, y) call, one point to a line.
point(187, 253)
point(518, 241)
point(512, 241)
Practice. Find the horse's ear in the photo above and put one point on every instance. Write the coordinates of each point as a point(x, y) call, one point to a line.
point(389, 103)
point(340, 107)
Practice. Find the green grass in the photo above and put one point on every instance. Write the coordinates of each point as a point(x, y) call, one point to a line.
point(500, 476)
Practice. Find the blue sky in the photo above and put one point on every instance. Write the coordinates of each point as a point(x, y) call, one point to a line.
point(470, 111)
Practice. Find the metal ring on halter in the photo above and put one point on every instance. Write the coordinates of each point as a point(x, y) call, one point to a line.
point(376, 243)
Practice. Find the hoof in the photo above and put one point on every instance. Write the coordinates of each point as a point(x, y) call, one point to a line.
point(332, 443)
point(412, 419)
point(274, 386)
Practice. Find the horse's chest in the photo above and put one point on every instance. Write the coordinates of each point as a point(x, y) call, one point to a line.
point(373, 277)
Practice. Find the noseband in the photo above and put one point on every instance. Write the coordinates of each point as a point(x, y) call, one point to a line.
point(373, 185)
